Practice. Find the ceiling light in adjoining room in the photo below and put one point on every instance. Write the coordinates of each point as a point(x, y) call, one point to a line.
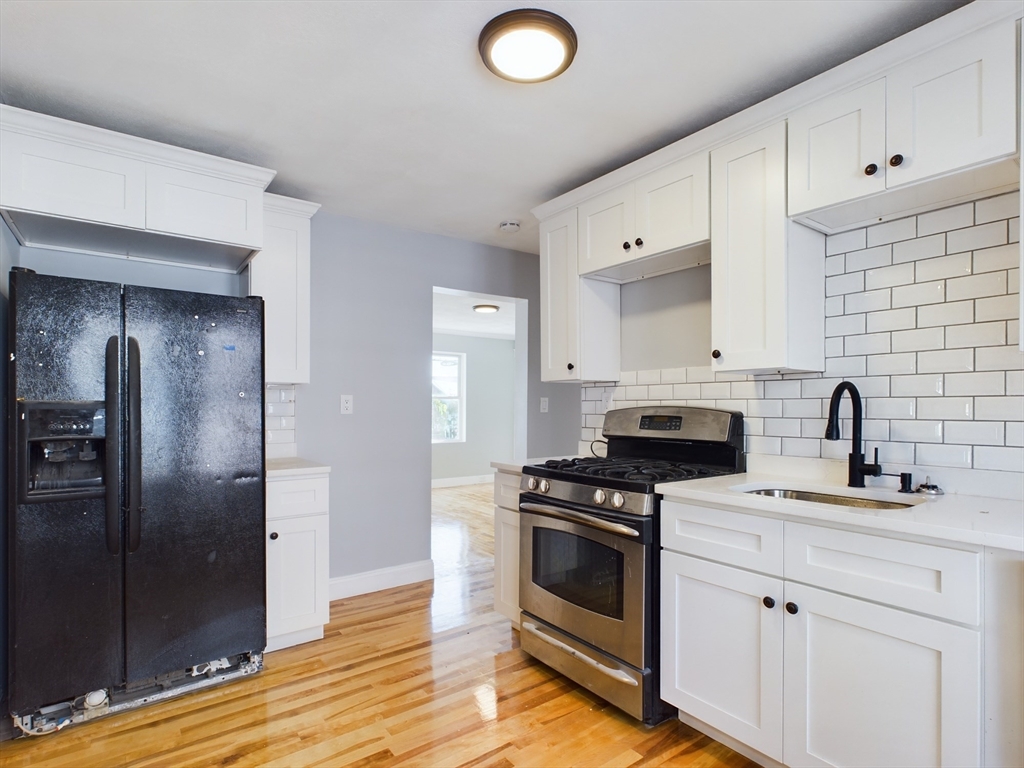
point(486, 309)
point(527, 45)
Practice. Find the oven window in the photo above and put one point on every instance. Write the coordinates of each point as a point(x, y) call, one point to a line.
point(579, 570)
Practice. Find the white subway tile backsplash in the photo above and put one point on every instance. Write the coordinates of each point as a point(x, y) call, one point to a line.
point(801, 409)
point(915, 431)
point(1015, 382)
point(871, 386)
point(920, 385)
point(886, 365)
point(801, 446)
point(918, 340)
point(835, 265)
point(891, 319)
point(648, 377)
point(782, 427)
point(891, 231)
point(626, 378)
point(999, 358)
point(976, 286)
point(853, 240)
point(834, 346)
point(1015, 433)
point(844, 325)
point(714, 390)
point(945, 361)
point(951, 313)
point(1008, 408)
point(280, 409)
point(686, 391)
point(636, 393)
point(890, 408)
point(945, 220)
point(980, 236)
point(891, 452)
point(1013, 230)
point(976, 335)
point(833, 306)
point(974, 432)
point(919, 294)
point(885, 277)
point(699, 374)
point(944, 455)
point(997, 308)
point(1004, 459)
point(954, 265)
point(869, 259)
point(945, 408)
point(846, 366)
point(280, 436)
point(782, 389)
point(763, 408)
point(813, 427)
point(992, 259)
point(1001, 207)
point(673, 376)
point(747, 389)
point(868, 344)
point(921, 248)
point(660, 392)
point(871, 301)
point(769, 446)
point(840, 284)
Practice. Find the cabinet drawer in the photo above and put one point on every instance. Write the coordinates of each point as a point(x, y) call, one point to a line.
point(506, 490)
point(932, 580)
point(205, 207)
point(728, 537)
point(292, 498)
point(71, 181)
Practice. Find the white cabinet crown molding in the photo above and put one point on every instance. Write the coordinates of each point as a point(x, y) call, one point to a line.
point(90, 137)
point(289, 205)
point(846, 76)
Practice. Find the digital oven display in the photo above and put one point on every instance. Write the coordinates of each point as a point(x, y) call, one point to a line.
point(662, 423)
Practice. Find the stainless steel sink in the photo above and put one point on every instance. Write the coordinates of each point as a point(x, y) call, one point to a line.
point(828, 498)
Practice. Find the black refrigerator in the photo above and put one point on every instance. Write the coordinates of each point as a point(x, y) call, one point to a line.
point(136, 508)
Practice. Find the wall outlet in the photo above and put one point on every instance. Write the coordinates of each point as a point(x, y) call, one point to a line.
point(543, 405)
point(346, 404)
point(606, 401)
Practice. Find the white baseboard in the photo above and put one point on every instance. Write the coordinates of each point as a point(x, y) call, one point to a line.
point(382, 578)
point(451, 482)
point(289, 639)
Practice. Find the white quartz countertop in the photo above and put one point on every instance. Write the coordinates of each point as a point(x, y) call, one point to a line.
point(952, 518)
point(517, 469)
point(294, 467)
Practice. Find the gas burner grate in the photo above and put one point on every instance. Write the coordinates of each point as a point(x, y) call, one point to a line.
point(632, 469)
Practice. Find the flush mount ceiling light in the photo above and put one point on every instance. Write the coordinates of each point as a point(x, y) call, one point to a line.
point(527, 45)
point(486, 309)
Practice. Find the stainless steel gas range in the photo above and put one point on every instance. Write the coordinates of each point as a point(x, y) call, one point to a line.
point(589, 554)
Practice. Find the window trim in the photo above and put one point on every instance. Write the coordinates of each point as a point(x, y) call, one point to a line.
point(461, 398)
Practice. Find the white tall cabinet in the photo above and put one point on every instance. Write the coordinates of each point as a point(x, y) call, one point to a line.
point(767, 272)
point(280, 274)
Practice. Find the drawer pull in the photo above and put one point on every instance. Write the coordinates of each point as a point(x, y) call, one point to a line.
point(792, 608)
point(273, 536)
point(769, 602)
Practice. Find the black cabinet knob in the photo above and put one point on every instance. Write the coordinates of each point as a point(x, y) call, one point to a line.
point(625, 246)
point(769, 602)
point(716, 354)
point(273, 536)
point(639, 243)
point(792, 608)
point(570, 366)
point(896, 160)
point(871, 170)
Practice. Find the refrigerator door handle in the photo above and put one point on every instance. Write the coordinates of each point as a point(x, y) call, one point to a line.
point(113, 439)
point(134, 446)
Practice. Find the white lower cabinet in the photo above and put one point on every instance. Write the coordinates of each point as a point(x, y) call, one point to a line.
point(809, 677)
point(506, 564)
point(298, 554)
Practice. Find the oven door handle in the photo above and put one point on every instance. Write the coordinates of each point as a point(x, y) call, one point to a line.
point(579, 517)
point(615, 674)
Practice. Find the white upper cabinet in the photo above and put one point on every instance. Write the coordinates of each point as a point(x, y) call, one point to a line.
point(661, 211)
point(954, 107)
point(76, 187)
point(837, 149)
point(560, 299)
point(949, 110)
point(280, 274)
point(767, 273)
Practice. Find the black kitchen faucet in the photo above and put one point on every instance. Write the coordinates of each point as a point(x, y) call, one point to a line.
point(858, 468)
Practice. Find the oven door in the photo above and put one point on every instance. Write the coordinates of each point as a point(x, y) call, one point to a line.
point(584, 575)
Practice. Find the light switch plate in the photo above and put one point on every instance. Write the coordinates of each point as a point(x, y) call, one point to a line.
point(543, 405)
point(346, 404)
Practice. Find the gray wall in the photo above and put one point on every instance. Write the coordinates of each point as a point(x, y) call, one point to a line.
point(666, 321)
point(372, 307)
point(490, 400)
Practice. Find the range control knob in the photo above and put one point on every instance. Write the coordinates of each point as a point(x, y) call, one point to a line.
point(599, 496)
point(617, 500)
point(545, 486)
point(532, 483)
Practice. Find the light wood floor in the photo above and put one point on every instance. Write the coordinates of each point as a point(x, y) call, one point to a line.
point(423, 675)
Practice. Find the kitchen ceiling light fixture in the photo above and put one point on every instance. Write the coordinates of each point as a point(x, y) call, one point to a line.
point(527, 45)
point(486, 309)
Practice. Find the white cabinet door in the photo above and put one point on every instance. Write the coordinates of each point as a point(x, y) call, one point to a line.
point(954, 107)
point(672, 206)
point(837, 149)
point(297, 574)
point(748, 251)
point(559, 299)
point(205, 207)
point(606, 230)
point(280, 274)
point(67, 180)
point(721, 648)
point(873, 686)
point(506, 563)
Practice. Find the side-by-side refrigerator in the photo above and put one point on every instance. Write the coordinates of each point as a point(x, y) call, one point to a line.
point(136, 515)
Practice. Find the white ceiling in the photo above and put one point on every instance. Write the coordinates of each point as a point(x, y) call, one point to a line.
point(453, 313)
point(384, 111)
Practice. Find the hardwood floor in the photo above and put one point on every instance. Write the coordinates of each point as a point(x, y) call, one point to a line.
point(422, 675)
